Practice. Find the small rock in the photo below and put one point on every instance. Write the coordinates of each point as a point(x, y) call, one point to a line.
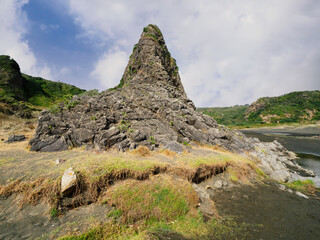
point(16, 138)
point(245, 196)
point(224, 183)
point(302, 195)
point(132, 146)
point(208, 187)
point(218, 184)
point(281, 187)
point(201, 191)
point(59, 161)
point(289, 190)
point(68, 182)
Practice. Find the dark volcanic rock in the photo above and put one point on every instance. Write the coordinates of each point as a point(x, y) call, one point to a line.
point(16, 138)
point(149, 107)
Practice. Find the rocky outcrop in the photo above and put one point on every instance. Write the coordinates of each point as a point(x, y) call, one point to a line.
point(149, 107)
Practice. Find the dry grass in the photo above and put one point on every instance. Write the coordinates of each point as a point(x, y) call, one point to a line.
point(10, 125)
point(32, 192)
point(142, 151)
point(98, 171)
point(167, 153)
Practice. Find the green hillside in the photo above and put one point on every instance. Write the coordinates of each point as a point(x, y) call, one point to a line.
point(294, 107)
point(42, 92)
point(19, 93)
point(291, 107)
point(227, 115)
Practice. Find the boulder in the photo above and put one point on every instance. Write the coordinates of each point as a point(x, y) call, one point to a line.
point(16, 138)
point(68, 182)
point(59, 161)
point(174, 147)
point(302, 195)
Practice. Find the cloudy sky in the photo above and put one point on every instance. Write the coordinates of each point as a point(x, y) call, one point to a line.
point(228, 51)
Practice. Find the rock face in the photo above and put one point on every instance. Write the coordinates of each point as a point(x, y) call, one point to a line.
point(149, 107)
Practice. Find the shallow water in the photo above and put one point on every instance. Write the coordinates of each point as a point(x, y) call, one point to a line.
point(303, 141)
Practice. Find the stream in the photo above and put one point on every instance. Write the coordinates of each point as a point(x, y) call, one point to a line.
point(304, 141)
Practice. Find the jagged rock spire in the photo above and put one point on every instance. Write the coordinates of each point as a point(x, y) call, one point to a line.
point(148, 108)
point(151, 62)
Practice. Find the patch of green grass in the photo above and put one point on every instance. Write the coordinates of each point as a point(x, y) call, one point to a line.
point(191, 226)
point(233, 175)
point(54, 212)
point(152, 140)
point(71, 104)
point(152, 36)
point(211, 159)
point(115, 214)
point(109, 230)
point(159, 199)
point(306, 186)
point(186, 144)
point(124, 125)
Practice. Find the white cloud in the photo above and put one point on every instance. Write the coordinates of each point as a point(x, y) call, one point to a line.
point(12, 30)
point(229, 52)
point(109, 69)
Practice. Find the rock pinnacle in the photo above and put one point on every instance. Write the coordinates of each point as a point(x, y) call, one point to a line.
point(150, 108)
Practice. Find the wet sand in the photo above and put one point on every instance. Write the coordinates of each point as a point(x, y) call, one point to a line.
point(276, 214)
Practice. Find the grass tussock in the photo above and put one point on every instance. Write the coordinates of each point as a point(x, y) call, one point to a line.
point(198, 168)
point(111, 231)
point(142, 151)
point(306, 186)
point(167, 153)
point(10, 125)
point(160, 198)
point(47, 190)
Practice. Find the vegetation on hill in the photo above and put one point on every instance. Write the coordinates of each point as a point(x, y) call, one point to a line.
point(11, 82)
point(42, 92)
point(227, 115)
point(19, 93)
point(294, 107)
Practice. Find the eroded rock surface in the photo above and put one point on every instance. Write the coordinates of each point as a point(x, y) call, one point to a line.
point(149, 107)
